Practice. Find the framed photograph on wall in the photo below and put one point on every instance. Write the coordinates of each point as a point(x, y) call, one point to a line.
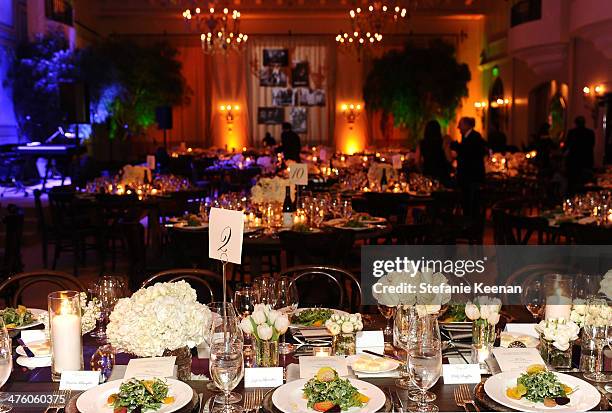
point(299, 119)
point(270, 116)
point(300, 75)
point(276, 57)
point(310, 97)
point(282, 97)
point(272, 76)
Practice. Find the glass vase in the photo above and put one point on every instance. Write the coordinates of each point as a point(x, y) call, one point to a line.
point(344, 344)
point(65, 332)
point(483, 337)
point(266, 353)
point(183, 362)
point(553, 357)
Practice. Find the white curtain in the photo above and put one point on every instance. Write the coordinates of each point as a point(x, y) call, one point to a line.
point(319, 52)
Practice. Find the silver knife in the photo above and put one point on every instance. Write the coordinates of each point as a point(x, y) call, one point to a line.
point(391, 399)
point(401, 403)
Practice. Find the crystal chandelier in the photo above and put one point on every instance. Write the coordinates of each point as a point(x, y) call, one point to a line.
point(219, 28)
point(369, 23)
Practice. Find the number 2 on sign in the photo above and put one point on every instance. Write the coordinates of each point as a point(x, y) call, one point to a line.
point(226, 236)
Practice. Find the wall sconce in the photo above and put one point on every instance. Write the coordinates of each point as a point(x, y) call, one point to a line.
point(481, 110)
point(593, 98)
point(351, 113)
point(229, 111)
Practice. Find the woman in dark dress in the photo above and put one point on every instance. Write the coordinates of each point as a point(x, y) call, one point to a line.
point(431, 154)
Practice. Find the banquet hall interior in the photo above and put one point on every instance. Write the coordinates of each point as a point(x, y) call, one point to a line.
point(270, 152)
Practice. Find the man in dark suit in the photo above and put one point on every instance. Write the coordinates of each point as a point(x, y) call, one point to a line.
point(470, 165)
point(290, 143)
point(579, 151)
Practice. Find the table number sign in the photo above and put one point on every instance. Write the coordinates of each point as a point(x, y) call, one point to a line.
point(298, 174)
point(263, 377)
point(397, 161)
point(151, 164)
point(225, 233)
point(461, 373)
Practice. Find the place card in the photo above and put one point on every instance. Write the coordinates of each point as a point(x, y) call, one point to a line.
point(298, 174)
point(79, 380)
point(516, 358)
point(461, 373)
point(370, 340)
point(263, 377)
point(310, 365)
point(397, 161)
point(527, 329)
point(30, 336)
point(152, 366)
point(151, 164)
point(225, 232)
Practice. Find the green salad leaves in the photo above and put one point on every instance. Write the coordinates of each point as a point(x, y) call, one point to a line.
point(140, 395)
point(315, 317)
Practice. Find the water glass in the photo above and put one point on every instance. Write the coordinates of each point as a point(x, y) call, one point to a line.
point(6, 363)
point(226, 371)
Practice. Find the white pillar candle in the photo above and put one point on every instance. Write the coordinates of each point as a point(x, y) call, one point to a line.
point(66, 342)
point(558, 307)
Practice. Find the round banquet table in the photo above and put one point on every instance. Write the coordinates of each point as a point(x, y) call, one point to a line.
point(38, 381)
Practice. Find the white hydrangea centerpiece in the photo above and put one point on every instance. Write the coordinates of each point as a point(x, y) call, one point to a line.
point(165, 316)
point(265, 324)
point(345, 324)
point(558, 331)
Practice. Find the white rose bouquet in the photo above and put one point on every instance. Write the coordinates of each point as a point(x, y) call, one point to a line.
point(165, 316)
point(265, 324)
point(559, 332)
point(345, 324)
point(484, 308)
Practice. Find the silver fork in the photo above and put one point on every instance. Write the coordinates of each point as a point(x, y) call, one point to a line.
point(466, 396)
point(248, 406)
point(458, 400)
point(259, 396)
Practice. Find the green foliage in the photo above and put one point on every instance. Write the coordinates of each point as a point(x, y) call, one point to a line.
point(416, 85)
point(126, 83)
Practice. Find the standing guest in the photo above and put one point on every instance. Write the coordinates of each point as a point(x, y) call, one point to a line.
point(544, 146)
point(290, 143)
point(579, 154)
point(268, 140)
point(431, 156)
point(470, 165)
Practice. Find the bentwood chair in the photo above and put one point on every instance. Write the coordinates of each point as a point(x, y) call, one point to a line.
point(19, 283)
point(332, 287)
point(208, 284)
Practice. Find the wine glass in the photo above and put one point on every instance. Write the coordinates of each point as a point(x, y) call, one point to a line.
point(595, 328)
point(401, 336)
point(533, 297)
point(425, 359)
point(108, 289)
point(226, 330)
point(265, 285)
point(245, 299)
point(287, 300)
point(6, 364)
point(608, 387)
point(226, 371)
point(222, 309)
point(388, 312)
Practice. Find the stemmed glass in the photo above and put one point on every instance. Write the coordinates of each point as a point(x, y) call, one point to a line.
point(226, 330)
point(596, 329)
point(608, 387)
point(287, 301)
point(226, 371)
point(6, 364)
point(534, 299)
point(401, 336)
point(245, 299)
point(108, 289)
point(425, 359)
point(387, 312)
point(265, 285)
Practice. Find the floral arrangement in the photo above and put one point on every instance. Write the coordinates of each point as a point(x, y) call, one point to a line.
point(270, 190)
point(345, 324)
point(165, 316)
point(606, 285)
point(265, 324)
point(90, 311)
point(484, 308)
point(599, 315)
point(560, 332)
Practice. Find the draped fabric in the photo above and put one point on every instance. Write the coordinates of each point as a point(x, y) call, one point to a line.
point(319, 52)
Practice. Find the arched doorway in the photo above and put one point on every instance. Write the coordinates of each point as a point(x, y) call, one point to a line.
point(548, 104)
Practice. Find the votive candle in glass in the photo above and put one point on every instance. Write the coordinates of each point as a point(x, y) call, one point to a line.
point(65, 332)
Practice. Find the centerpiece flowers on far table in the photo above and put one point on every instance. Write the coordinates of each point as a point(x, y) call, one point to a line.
point(164, 319)
point(266, 326)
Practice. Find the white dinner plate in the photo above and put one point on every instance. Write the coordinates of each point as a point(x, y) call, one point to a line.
point(289, 397)
point(374, 220)
point(41, 348)
point(95, 399)
point(386, 365)
point(584, 398)
point(37, 313)
point(303, 327)
point(364, 228)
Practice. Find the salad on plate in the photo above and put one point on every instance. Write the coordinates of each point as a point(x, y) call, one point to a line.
point(136, 395)
point(17, 317)
point(312, 317)
point(328, 392)
point(538, 385)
